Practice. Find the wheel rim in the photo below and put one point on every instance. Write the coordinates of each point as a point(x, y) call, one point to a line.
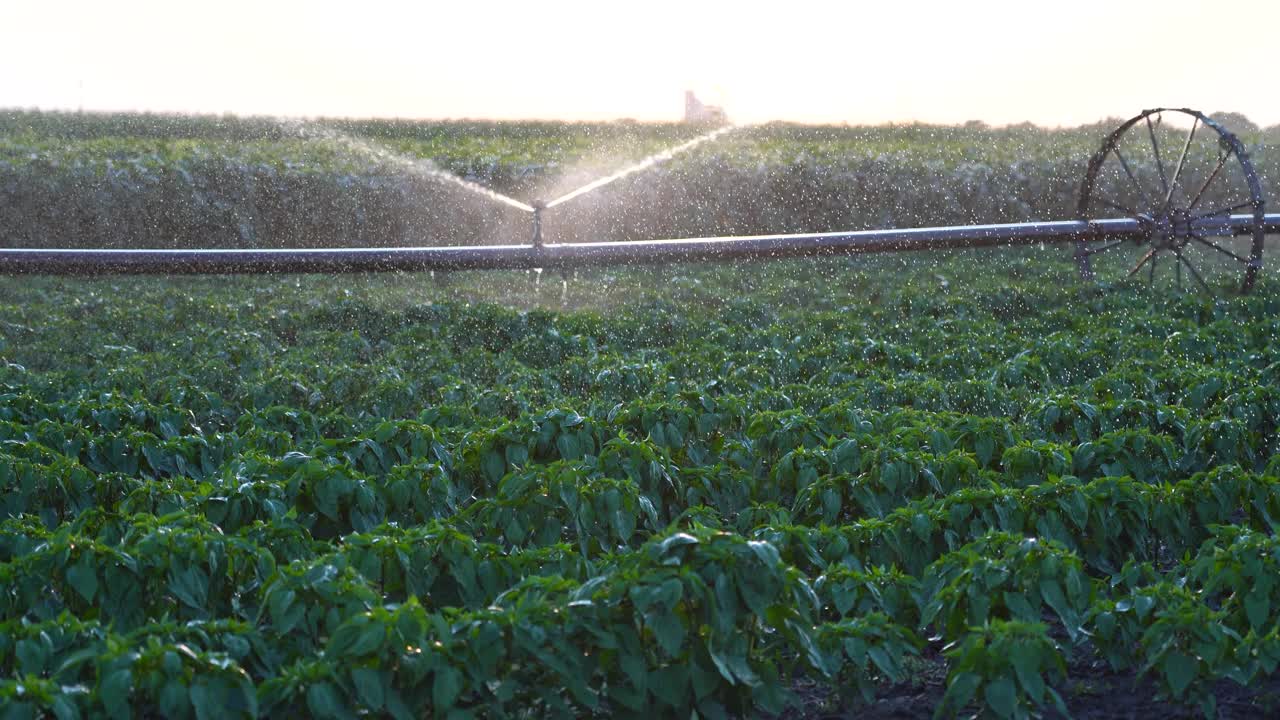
point(1175, 171)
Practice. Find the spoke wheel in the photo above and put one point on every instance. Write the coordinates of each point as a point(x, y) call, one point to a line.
point(1176, 172)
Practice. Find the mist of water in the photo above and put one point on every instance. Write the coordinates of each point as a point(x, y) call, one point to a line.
point(425, 168)
point(474, 187)
point(415, 166)
point(643, 164)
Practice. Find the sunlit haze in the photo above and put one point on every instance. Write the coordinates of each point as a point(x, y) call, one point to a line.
point(1000, 61)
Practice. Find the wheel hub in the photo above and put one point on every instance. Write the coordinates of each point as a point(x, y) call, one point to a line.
point(1170, 229)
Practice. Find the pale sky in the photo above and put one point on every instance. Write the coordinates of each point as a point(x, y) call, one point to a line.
point(1002, 61)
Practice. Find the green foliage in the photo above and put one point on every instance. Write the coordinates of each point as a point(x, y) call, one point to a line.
point(1001, 667)
point(391, 497)
point(1005, 576)
point(147, 180)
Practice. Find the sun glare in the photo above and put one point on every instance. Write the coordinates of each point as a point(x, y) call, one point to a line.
point(999, 61)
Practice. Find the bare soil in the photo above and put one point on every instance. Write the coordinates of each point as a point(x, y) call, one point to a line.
point(1094, 692)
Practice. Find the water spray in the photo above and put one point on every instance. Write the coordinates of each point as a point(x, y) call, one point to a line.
point(1163, 229)
point(416, 166)
point(644, 164)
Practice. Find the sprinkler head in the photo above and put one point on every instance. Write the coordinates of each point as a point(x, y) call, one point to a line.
point(538, 207)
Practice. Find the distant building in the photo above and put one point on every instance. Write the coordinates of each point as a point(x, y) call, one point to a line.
point(698, 113)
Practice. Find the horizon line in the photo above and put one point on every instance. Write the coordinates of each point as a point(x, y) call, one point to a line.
point(63, 110)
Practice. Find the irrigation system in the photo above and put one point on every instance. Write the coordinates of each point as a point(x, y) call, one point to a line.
point(1127, 222)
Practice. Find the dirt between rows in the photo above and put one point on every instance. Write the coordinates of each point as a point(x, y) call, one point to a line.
point(1093, 692)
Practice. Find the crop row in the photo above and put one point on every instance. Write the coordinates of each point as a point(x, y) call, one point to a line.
point(832, 467)
point(714, 619)
point(325, 187)
point(338, 497)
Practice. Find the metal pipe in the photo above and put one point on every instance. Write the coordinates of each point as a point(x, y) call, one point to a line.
point(21, 261)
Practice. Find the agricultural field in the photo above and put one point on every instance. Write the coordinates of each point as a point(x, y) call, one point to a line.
point(885, 487)
point(69, 180)
point(955, 483)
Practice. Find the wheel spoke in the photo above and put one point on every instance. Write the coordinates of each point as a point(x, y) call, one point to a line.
point(1194, 200)
point(1192, 269)
point(1209, 243)
point(1103, 248)
point(1182, 159)
point(1141, 190)
point(1200, 193)
point(1223, 211)
point(1155, 149)
point(1149, 256)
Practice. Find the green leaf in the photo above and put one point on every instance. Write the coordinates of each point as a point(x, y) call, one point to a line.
point(1051, 591)
point(83, 577)
point(1001, 696)
point(368, 682)
point(1105, 622)
point(1143, 604)
point(171, 663)
point(17, 711)
point(635, 670)
point(286, 622)
point(113, 690)
point(985, 448)
point(568, 447)
point(703, 681)
point(669, 631)
point(517, 455)
point(885, 662)
point(31, 656)
point(445, 688)
point(1257, 607)
point(1019, 607)
point(64, 708)
point(960, 690)
point(721, 666)
point(923, 526)
point(370, 639)
point(344, 637)
point(191, 586)
point(628, 698)
point(669, 592)
point(324, 702)
point(397, 707)
point(76, 659)
point(173, 700)
point(733, 666)
point(1026, 665)
point(493, 466)
point(671, 685)
point(710, 709)
point(765, 552)
point(214, 699)
point(675, 541)
point(1179, 671)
